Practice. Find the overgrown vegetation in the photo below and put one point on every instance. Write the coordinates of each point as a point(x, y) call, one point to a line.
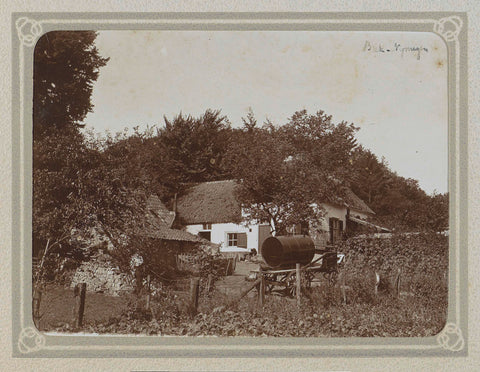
point(284, 169)
point(280, 317)
point(422, 260)
point(419, 310)
point(399, 203)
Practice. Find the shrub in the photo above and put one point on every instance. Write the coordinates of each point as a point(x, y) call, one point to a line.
point(420, 257)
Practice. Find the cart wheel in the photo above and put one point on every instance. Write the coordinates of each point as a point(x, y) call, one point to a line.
point(291, 284)
point(333, 278)
point(307, 280)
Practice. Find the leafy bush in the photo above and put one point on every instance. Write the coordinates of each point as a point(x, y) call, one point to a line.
point(421, 258)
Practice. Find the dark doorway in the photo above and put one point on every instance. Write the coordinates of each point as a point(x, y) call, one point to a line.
point(205, 235)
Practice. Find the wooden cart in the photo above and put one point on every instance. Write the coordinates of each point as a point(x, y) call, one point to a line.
point(284, 280)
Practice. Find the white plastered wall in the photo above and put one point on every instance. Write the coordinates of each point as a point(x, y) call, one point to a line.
point(219, 231)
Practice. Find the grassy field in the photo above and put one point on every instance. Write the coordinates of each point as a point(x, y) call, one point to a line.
point(57, 301)
point(56, 307)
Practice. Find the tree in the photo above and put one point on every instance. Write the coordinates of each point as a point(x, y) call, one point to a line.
point(66, 63)
point(328, 146)
point(437, 212)
point(249, 123)
point(284, 176)
point(370, 176)
point(194, 147)
point(76, 188)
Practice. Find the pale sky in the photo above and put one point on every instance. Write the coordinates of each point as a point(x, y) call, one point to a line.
point(398, 98)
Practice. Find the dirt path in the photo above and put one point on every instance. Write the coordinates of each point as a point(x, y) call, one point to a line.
point(233, 284)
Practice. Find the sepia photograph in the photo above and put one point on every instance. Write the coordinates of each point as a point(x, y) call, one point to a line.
point(240, 183)
point(246, 186)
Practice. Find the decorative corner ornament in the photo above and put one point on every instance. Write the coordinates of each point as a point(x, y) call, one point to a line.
point(28, 31)
point(451, 338)
point(449, 27)
point(30, 340)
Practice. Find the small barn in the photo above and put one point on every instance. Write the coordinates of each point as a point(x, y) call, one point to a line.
point(101, 274)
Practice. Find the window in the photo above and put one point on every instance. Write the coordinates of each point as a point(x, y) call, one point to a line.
point(232, 239)
point(336, 229)
point(207, 226)
point(299, 229)
point(237, 240)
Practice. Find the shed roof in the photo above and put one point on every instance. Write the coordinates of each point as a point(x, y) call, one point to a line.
point(166, 233)
point(159, 221)
point(155, 206)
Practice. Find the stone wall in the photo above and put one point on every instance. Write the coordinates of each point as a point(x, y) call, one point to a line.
point(101, 275)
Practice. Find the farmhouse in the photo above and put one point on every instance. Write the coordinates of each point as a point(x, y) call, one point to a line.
point(211, 211)
point(342, 214)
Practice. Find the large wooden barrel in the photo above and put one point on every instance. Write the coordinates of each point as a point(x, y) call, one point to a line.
point(286, 251)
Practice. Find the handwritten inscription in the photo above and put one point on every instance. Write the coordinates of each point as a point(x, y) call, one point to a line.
point(395, 48)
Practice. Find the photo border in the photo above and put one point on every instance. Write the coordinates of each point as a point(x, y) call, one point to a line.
point(29, 342)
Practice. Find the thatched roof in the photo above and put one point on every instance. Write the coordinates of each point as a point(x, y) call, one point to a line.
point(215, 202)
point(351, 200)
point(210, 202)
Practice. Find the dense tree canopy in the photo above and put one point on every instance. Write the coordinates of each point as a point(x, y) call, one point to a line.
point(195, 147)
point(329, 146)
point(398, 202)
point(287, 171)
point(66, 64)
point(284, 170)
point(370, 177)
point(75, 186)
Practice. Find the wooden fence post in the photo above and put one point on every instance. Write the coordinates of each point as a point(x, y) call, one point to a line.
point(377, 282)
point(209, 283)
point(79, 306)
point(298, 284)
point(37, 297)
point(228, 267)
point(261, 290)
point(194, 284)
point(397, 284)
point(147, 304)
point(344, 290)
